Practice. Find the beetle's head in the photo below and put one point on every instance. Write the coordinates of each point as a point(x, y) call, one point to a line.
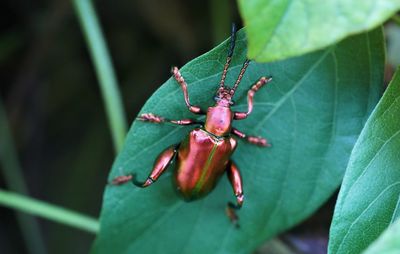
point(223, 97)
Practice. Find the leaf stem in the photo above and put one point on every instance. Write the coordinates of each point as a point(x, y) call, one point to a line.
point(48, 211)
point(104, 70)
point(14, 179)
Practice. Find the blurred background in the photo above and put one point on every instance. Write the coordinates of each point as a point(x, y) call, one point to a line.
point(56, 115)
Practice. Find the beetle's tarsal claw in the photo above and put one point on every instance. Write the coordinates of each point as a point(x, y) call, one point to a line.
point(233, 217)
point(236, 224)
point(120, 180)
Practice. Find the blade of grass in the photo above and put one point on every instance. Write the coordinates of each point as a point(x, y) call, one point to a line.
point(104, 70)
point(48, 211)
point(14, 179)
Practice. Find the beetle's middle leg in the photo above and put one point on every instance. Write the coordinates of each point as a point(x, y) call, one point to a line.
point(251, 139)
point(149, 117)
point(161, 164)
point(236, 181)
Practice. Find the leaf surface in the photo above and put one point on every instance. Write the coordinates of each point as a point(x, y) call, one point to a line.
point(388, 242)
point(369, 197)
point(279, 29)
point(312, 113)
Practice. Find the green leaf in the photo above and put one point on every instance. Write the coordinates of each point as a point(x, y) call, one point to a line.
point(388, 242)
point(312, 113)
point(369, 197)
point(283, 28)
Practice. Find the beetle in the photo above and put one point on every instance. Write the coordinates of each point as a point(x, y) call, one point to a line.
point(204, 155)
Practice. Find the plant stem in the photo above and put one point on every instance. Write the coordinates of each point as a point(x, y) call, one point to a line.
point(104, 70)
point(48, 211)
point(14, 179)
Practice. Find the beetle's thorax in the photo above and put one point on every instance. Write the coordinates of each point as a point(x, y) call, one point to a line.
point(219, 120)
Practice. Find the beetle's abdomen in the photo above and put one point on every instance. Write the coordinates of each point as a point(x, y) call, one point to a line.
point(202, 159)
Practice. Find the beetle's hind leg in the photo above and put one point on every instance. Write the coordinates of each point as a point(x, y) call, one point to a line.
point(161, 164)
point(236, 181)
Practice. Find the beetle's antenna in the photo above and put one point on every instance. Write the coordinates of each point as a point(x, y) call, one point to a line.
point(242, 71)
point(229, 57)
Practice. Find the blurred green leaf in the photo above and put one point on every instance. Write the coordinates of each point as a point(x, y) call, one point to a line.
point(388, 242)
point(280, 29)
point(312, 113)
point(369, 197)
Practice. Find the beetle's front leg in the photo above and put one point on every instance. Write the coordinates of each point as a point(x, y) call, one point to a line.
point(250, 95)
point(149, 117)
point(251, 139)
point(236, 181)
point(181, 81)
point(160, 165)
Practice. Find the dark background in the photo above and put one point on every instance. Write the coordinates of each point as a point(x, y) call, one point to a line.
point(55, 111)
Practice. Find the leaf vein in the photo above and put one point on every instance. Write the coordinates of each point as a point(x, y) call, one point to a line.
point(365, 210)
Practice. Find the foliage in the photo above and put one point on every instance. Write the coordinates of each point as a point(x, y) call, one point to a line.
point(327, 62)
point(312, 113)
point(284, 28)
point(369, 197)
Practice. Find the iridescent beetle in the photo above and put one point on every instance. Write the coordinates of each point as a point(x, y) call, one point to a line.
point(204, 155)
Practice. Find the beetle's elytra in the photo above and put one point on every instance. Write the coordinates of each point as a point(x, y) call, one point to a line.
point(204, 155)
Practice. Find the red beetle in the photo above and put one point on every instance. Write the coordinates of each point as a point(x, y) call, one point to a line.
point(204, 155)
